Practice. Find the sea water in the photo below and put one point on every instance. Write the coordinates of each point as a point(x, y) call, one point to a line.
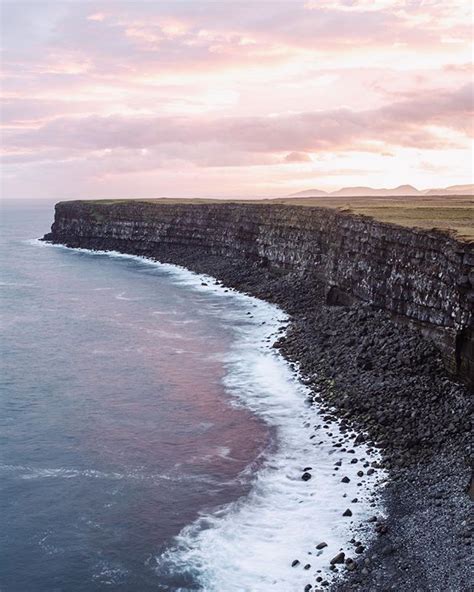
point(151, 438)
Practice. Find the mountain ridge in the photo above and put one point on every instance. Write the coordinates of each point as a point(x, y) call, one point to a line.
point(401, 190)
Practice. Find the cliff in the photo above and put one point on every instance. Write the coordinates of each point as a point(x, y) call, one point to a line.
point(422, 277)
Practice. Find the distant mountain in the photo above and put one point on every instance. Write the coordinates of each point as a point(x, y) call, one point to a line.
point(310, 193)
point(401, 190)
point(362, 191)
point(452, 190)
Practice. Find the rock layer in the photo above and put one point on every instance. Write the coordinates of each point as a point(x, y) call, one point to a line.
point(425, 278)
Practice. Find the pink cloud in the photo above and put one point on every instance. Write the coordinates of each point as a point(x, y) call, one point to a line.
point(404, 123)
point(297, 157)
point(96, 16)
point(166, 36)
point(110, 87)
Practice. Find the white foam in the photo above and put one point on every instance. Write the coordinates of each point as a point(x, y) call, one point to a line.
point(109, 574)
point(121, 296)
point(249, 545)
point(28, 473)
point(48, 547)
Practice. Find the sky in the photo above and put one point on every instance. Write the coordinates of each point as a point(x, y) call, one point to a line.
point(233, 98)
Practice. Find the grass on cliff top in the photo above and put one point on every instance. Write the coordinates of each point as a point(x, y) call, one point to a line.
point(453, 214)
point(448, 214)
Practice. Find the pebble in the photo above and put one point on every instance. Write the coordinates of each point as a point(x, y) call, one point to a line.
point(339, 558)
point(351, 566)
point(321, 545)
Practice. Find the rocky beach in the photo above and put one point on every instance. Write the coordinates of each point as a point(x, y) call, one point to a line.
point(373, 374)
point(242, 359)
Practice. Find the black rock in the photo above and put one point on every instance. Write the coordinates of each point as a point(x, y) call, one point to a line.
point(306, 476)
point(351, 566)
point(347, 513)
point(345, 480)
point(372, 519)
point(339, 558)
point(295, 563)
point(321, 545)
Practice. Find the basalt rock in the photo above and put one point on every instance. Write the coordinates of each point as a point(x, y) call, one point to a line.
point(421, 277)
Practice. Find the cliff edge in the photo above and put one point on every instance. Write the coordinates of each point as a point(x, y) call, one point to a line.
point(425, 278)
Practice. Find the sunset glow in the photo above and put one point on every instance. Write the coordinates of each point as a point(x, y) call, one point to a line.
point(261, 98)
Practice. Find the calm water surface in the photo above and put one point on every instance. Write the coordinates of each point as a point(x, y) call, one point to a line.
point(150, 439)
point(115, 427)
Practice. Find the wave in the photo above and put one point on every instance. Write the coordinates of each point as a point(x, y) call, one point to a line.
point(127, 298)
point(27, 473)
point(17, 285)
point(250, 544)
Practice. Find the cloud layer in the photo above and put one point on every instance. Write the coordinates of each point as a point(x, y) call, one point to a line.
point(328, 93)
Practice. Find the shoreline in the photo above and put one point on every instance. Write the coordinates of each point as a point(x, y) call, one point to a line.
point(379, 377)
point(260, 379)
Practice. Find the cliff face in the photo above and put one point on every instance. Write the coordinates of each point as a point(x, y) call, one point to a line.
point(426, 278)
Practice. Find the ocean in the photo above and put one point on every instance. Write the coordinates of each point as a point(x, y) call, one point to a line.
point(151, 439)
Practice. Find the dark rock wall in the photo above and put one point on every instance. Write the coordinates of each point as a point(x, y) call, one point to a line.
point(426, 278)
